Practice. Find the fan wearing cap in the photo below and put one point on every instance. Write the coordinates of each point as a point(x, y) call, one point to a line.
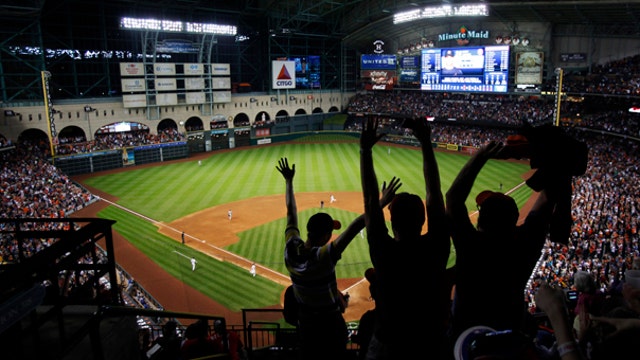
point(404, 258)
point(495, 258)
point(311, 265)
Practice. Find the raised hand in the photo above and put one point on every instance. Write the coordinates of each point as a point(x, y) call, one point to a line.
point(421, 130)
point(389, 192)
point(369, 134)
point(492, 150)
point(286, 171)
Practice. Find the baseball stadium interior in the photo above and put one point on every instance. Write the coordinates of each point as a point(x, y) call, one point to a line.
point(176, 78)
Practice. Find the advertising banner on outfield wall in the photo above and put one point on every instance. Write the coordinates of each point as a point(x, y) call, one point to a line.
point(283, 74)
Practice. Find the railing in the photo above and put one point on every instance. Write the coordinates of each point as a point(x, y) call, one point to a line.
point(268, 336)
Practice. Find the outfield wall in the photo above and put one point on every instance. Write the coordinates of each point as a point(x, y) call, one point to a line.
point(113, 159)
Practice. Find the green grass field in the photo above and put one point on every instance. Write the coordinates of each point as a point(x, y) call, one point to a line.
point(170, 191)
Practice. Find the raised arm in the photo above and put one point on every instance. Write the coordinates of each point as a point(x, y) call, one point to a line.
point(374, 217)
point(462, 184)
point(434, 199)
point(388, 192)
point(288, 172)
point(552, 302)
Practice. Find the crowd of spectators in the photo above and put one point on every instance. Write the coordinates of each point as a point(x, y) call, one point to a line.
point(119, 140)
point(618, 77)
point(496, 111)
point(604, 236)
point(219, 125)
point(466, 108)
point(31, 187)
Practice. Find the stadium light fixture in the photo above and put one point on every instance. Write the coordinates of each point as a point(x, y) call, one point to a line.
point(441, 12)
point(129, 23)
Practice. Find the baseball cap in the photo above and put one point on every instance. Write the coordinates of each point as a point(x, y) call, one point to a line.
point(322, 223)
point(487, 194)
point(496, 201)
point(496, 209)
point(370, 275)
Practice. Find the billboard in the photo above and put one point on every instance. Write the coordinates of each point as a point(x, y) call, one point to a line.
point(378, 62)
point(164, 69)
point(131, 69)
point(307, 72)
point(379, 79)
point(133, 85)
point(283, 73)
point(193, 69)
point(529, 67)
point(468, 69)
point(220, 69)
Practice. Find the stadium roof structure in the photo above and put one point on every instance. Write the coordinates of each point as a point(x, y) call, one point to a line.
point(81, 42)
point(357, 22)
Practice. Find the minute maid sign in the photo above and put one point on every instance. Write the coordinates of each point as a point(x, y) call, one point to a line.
point(283, 74)
point(463, 35)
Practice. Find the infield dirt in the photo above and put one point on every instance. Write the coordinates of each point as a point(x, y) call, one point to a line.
point(200, 228)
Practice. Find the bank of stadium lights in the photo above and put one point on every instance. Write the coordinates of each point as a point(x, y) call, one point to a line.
point(176, 26)
point(441, 11)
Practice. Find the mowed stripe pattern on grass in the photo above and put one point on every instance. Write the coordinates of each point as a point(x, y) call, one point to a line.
point(171, 191)
point(219, 280)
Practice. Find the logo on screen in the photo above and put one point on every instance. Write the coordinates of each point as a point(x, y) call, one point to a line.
point(284, 74)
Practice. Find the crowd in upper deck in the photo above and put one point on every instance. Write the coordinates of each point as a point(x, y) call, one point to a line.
point(604, 236)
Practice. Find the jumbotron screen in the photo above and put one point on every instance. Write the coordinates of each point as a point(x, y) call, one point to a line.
point(468, 69)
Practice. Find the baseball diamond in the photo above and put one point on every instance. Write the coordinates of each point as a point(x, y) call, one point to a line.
point(209, 232)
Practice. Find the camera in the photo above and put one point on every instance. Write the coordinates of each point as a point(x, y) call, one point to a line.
point(504, 344)
point(572, 295)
